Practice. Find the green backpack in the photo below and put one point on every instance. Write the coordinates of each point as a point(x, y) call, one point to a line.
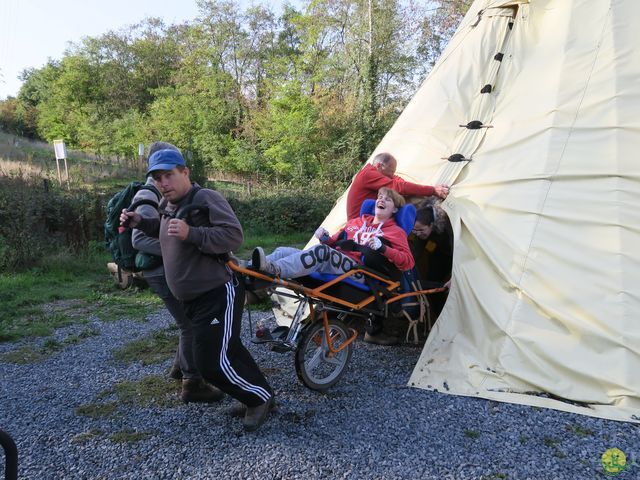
point(118, 240)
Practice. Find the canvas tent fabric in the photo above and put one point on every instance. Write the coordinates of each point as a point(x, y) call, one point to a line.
point(545, 204)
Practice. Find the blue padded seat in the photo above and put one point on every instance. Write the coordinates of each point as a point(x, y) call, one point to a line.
point(405, 217)
point(327, 277)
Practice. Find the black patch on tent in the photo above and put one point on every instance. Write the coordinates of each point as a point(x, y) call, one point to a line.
point(473, 125)
point(458, 157)
point(510, 25)
point(499, 57)
point(486, 89)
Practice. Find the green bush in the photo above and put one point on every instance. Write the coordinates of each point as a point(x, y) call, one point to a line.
point(283, 212)
point(37, 219)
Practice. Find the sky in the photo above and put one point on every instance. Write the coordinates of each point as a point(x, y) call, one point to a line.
point(32, 31)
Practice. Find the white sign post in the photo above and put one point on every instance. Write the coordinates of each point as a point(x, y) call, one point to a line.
point(141, 157)
point(61, 153)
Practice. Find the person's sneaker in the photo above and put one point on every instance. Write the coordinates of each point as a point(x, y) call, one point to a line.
point(381, 339)
point(255, 416)
point(175, 372)
point(259, 262)
point(197, 390)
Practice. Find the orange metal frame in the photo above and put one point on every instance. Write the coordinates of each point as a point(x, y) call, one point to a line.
point(318, 293)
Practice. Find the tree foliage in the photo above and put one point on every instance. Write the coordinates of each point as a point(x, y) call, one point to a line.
point(303, 94)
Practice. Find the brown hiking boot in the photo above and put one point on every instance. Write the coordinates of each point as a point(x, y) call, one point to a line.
point(237, 409)
point(255, 416)
point(197, 390)
point(381, 339)
point(175, 372)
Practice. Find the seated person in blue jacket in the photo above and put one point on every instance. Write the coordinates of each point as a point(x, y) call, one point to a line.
point(372, 240)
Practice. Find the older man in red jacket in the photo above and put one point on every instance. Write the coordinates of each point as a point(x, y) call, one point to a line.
point(381, 173)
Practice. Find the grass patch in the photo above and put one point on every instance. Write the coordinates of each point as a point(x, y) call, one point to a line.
point(262, 305)
point(65, 290)
point(96, 410)
point(30, 354)
point(554, 444)
point(129, 436)
point(472, 434)
point(132, 303)
point(87, 436)
point(156, 348)
point(578, 430)
point(153, 390)
point(84, 334)
point(23, 356)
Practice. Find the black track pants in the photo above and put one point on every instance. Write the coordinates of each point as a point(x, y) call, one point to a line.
point(219, 354)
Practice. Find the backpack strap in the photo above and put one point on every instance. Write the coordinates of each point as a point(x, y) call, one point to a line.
point(185, 209)
point(144, 201)
point(152, 188)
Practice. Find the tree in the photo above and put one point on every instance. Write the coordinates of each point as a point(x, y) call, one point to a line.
point(439, 24)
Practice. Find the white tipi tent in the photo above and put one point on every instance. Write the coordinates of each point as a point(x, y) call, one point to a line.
point(546, 278)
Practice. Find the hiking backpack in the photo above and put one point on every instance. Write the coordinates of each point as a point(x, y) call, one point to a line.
point(118, 239)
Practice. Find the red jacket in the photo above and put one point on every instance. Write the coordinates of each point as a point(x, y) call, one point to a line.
point(397, 251)
point(368, 181)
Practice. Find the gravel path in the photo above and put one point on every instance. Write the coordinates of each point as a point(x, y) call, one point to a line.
point(370, 425)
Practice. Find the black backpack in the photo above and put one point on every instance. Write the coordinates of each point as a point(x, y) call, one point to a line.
point(118, 239)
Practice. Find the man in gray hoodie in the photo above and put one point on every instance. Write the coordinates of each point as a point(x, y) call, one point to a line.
point(194, 388)
point(193, 254)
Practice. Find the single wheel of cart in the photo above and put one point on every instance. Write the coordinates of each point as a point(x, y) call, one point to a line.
point(323, 354)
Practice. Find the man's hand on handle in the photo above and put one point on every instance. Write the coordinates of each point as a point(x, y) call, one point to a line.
point(178, 228)
point(129, 219)
point(442, 191)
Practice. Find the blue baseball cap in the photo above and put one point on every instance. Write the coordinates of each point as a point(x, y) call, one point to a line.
point(165, 160)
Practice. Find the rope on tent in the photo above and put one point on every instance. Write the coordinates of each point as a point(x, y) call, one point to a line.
point(422, 302)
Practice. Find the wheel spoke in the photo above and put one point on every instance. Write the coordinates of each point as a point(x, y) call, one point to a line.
point(319, 368)
point(315, 360)
point(334, 360)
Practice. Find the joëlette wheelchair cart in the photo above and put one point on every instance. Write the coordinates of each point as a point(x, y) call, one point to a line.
point(322, 341)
